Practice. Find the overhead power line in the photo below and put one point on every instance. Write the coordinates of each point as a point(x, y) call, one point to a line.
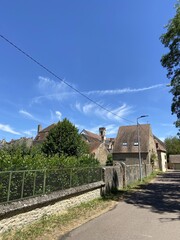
point(59, 78)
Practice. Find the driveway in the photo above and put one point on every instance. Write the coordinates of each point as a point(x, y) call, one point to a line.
point(153, 212)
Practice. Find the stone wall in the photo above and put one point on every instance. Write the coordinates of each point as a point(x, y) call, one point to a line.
point(20, 213)
point(121, 175)
point(17, 214)
point(113, 178)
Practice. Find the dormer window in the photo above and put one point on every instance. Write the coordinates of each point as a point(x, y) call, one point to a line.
point(136, 143)
point(124, 144)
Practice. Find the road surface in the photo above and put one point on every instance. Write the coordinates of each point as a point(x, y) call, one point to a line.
point(151, 213)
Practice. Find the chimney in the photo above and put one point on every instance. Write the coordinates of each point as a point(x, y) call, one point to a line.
point(102, 133)
point(39, 128)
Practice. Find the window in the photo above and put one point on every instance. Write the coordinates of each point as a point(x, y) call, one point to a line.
point(136, 143)
point(124, 144)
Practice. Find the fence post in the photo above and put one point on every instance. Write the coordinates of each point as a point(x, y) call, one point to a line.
point(22, 188)
point(34, 183)
point(44, 182)
point(9, 186)
point(71, 177)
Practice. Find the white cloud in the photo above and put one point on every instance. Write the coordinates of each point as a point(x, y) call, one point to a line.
point(78, 106)
point(58, 115)
point(7, 128)
point(112, 129)
point(124, 90)
point(30, 132)
point(88, 108)
point(52, 90)
point(111, 114)
point(26, 114)
point(119, 112)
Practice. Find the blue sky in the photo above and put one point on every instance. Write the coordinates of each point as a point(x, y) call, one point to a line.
point(108, 50)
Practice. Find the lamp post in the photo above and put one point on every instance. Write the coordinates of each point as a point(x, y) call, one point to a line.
point(139, 148)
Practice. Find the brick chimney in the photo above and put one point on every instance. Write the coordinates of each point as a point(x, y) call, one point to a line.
point(39, 128)
point(102, 133)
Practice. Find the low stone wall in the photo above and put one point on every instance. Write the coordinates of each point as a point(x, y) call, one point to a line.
point(20, 213)
point(113, 178)
point(121, 175)
point(17, 214)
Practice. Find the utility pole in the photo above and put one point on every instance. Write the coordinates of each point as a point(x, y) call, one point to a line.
point(139, 146)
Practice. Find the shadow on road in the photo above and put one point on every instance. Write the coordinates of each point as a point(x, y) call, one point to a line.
point(161, 196)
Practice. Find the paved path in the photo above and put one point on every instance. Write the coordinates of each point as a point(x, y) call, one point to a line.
point(151, 213)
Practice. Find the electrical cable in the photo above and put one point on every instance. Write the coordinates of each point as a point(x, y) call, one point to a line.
point(59, 78)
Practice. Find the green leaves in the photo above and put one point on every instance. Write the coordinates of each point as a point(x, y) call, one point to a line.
point(172, 145)
point(171, 61)
point(64, 139)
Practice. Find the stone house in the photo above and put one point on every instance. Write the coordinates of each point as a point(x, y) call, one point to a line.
point(174, 161)
point(99, 145)
point(127, 146)
point(161, 152)
point(28, 142)
point(42, 134)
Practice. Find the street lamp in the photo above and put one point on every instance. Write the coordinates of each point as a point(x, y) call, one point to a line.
point(139, 148)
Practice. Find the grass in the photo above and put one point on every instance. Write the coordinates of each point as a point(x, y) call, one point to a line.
point(57, 225)
point(47, 224)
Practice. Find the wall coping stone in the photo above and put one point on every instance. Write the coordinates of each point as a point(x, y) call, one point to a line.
point(24, 205)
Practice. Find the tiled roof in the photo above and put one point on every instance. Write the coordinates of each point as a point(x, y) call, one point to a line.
point(93, 140)
point(159, 144)
point(41, 136)
point(174, 158)
point(93, 146)
point(127, 139)
point(91, 135)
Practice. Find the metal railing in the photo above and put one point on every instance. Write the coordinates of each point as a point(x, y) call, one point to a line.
point(17, 185)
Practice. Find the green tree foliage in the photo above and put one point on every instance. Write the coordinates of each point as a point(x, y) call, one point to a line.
point(64, 139)
point(171, 61)
point(172, 145)
point(109, 161)
point(36, 160)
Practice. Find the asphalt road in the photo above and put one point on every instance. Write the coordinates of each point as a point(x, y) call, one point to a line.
point(150, 213)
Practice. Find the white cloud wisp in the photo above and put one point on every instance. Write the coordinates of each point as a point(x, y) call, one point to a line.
point(124, 90)
point(7, 128)
point(26, 114)
point(116, 114)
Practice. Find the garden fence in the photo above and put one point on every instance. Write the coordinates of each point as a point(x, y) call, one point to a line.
point(17, 185)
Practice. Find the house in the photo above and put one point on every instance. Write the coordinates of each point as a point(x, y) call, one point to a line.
point(99, 145)
point(2, 143)
point(161, 153)
point(42, 134)
point(174, 161)
point(19, 142)
point(128, 146)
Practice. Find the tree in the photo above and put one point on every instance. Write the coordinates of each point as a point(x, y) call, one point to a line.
point(172, 145)
point(64, 139)
point(171, 61)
